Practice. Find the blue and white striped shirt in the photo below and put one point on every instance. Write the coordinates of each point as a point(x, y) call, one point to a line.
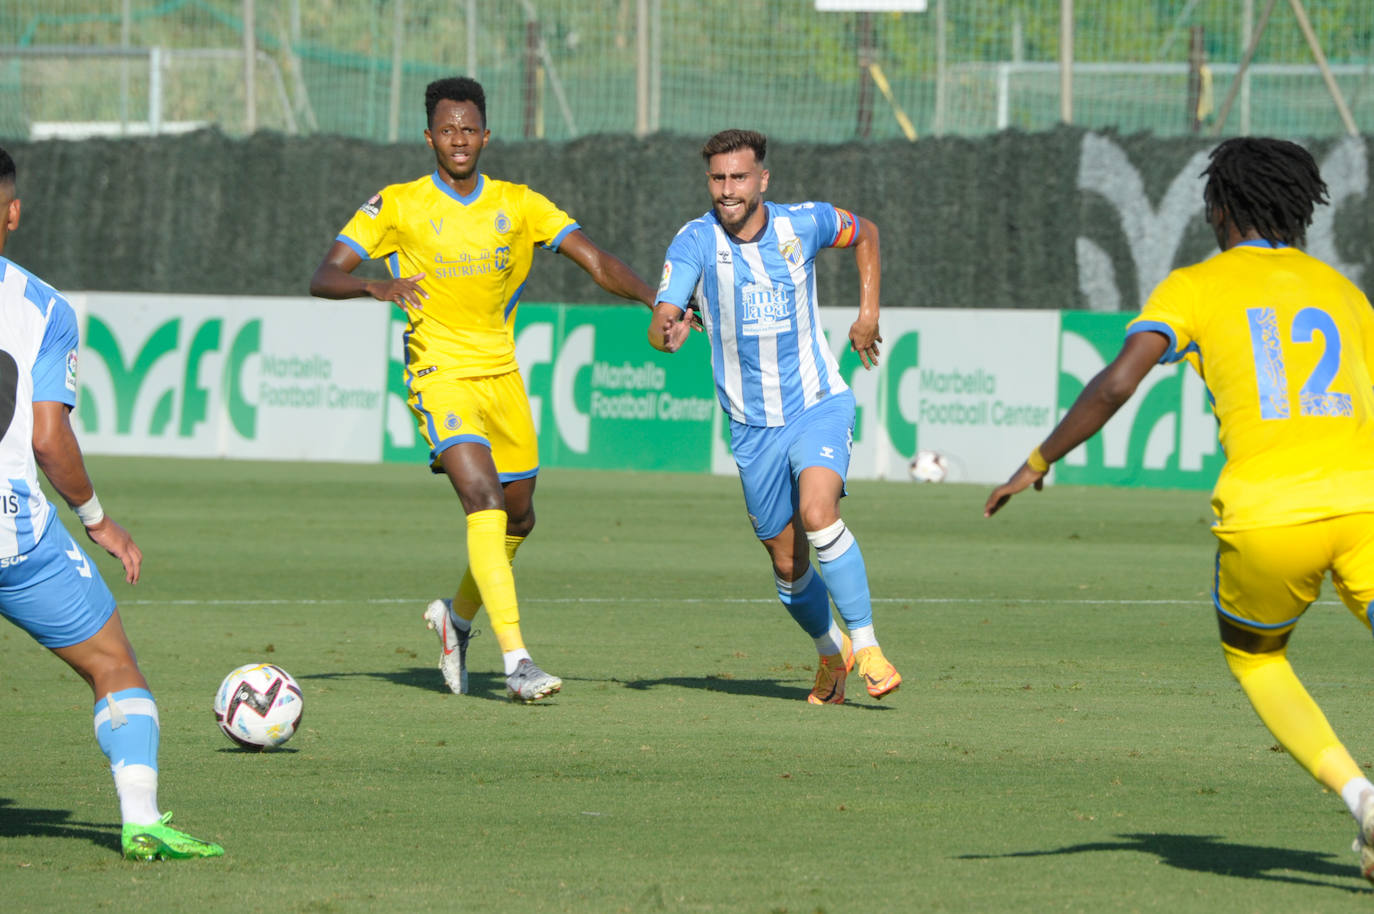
point(769, 354)
point(38, 338)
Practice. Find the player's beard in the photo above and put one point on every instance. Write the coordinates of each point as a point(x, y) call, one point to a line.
point(459, 174)
point(750, 208)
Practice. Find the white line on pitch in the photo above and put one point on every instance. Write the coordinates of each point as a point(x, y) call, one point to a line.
point(532, 601)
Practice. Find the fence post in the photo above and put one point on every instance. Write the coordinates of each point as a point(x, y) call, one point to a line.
point(865, 54)
point(1066, 61)
point(1196, 61)
point(250, 62)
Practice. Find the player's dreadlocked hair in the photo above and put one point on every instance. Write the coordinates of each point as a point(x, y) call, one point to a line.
point(1264, 184)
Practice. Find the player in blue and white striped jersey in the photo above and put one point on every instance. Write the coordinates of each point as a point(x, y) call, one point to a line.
point(748, 268)
point(48, 586)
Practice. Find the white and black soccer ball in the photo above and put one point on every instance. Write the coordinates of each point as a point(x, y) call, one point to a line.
point(259, 706)
point(928, 466)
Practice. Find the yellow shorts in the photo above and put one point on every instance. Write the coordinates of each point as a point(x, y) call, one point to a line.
point(492, 410)
point(1266, 577)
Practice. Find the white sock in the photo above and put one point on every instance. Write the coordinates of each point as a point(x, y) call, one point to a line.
point(1354, 793)
point(137, 789)
point(862, 637)
point(830, 642)
point(512, 659)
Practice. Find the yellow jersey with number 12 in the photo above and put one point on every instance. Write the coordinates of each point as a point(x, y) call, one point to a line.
point(1284, 344)
point(475, 253)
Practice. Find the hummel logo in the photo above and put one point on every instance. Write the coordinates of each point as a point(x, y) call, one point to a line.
point(828, 453)
point(74, 553)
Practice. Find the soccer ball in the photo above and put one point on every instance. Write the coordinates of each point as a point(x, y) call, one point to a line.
point(928, 466)
point(258, 706)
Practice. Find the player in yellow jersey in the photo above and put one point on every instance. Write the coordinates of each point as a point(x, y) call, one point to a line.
point(458, 246)
point(1285, 345)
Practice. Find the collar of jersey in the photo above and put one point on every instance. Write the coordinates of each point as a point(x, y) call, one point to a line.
point(1259, 243)
point(470, 198)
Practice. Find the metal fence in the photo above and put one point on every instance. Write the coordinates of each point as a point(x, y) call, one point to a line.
point(559, 69)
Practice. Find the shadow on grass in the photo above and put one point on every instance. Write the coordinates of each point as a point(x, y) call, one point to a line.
point(1210, 854)
point(763, 688)
point(22, 822)
point(491, 686)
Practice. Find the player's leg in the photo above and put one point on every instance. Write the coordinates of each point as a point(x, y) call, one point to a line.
point(448, 414)
point(58, 596)
point(1353, 574)
point(804, 595)
point(510, 462)
point(770, 499)
point(519, 498)
point(1265, 580)
point(819, 455)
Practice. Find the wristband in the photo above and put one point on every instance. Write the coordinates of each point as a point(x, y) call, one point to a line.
point(90, 513)
point(1036, 462)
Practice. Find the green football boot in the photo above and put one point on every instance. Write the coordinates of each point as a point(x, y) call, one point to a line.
point(160, 841)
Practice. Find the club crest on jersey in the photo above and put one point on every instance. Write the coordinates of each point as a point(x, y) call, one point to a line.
point(502, 222)
point(791, 251)
point(452, 422)
point(71, 370)
point(373, 206)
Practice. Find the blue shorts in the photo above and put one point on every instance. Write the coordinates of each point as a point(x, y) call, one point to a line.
point(54, 591)
point(771, 458)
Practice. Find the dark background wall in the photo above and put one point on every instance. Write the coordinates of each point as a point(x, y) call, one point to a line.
point(988, 222)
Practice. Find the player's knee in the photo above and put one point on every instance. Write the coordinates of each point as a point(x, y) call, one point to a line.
point(520, 525)
point(109, 671)
point(818, 516)
point(786, 570)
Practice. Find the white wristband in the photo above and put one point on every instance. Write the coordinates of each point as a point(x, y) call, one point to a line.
point(90, 513)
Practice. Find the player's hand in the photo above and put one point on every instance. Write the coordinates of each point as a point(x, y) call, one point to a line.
point(1021, 480)
point(864, 339)
point(675, 330)
point(115, 540)
point(404, 291)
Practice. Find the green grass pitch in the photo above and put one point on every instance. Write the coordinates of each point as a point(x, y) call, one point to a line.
point(1067, 738)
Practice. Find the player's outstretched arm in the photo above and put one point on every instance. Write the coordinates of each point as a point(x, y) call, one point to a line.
point(58, 455)
point(610, 272)
point(334, 278)
point(1099, 401)
point(863, 333)
point(669, 326)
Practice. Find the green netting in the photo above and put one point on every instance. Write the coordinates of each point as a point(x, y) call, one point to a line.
point(560, 69)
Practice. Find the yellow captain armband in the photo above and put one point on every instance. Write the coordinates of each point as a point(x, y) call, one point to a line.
point(1036, 462)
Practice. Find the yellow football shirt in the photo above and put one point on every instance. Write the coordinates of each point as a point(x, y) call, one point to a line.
point(1284, 344)
point(475, 253)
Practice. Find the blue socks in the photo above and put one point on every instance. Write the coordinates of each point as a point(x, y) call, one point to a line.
point(126, 727)
point(808, 601)
point(846, 576)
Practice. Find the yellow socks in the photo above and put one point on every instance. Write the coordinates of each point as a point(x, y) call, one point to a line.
point(1292, 716)
point(469, 599)
point(489, 575)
